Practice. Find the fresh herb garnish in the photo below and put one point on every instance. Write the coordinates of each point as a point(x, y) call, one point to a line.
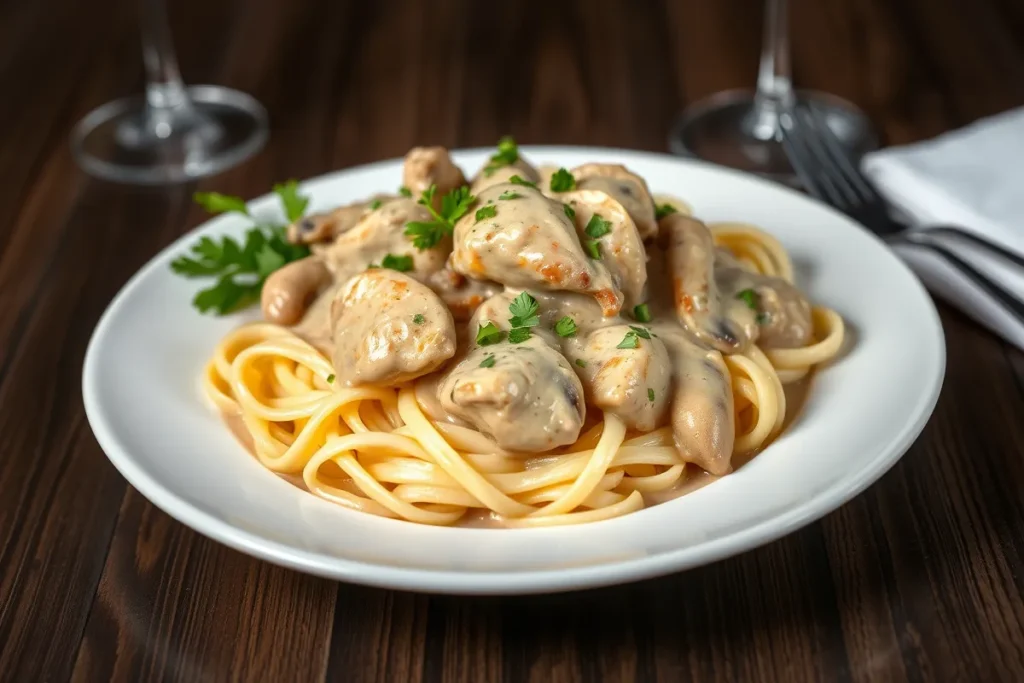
point(630, 341)
point(763, 318)
point(663, 210)
point(518, 334)
point(454, 205)
point(487, 334)
point(330, 378)
point(487, 362)
point(641, 313)
point(419, 319)
point(593, 248)
point(562, 181)
point(375, 204)
point(597, 227)
point(509, 194)
point(650, 395)
point(565, 327)
point(580, 362)
point(508, 154)
point(524, 309)
point(402, 264)
point(570, 212)
point(405, 191)
point(519, 180)
point(240, 269)
point(641, 332)
point(489, 211)
point(749, 297)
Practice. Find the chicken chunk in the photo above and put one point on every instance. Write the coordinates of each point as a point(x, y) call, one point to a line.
point(698, 302)
point(529, 242)
point(380, 233)
point(626, 187)
point(426, 166)
point(621, 248)
point(503, 174)
point(388, 328)
point(326, 226)
point(525, 396)
point(631, 383)
point(461, 294)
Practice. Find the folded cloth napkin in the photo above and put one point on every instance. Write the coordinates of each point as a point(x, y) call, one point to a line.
point(971, 178)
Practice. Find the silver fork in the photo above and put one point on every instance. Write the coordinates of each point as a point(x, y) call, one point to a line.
point(831, 176)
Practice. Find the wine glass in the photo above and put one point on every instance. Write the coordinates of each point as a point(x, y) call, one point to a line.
point(740, 128)
point(173, 133)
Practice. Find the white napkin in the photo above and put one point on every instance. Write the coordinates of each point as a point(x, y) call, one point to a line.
point(971, 178)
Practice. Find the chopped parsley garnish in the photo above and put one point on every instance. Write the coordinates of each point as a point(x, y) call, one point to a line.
point(489, 211)
point(562, 181)
point(240, 269)
point(454, 205)
point(650, 395)
point(487, 362)
point(509, 194)
point(488, 334)
point(405, 191)
point(641, 313)
point(419, 319)
point(565, 327)
point(375, 204)
point(330, 378)
point(402, 264)
point(508, 154)
point(518, 334)
point(630, 341)
point(524, 309)
point(663, 210)
point(763, 318)
point(749, 297)
point(597, 227)
point(641, 332)
point(519, 180)
point(570, 212)
point(593, 248)
point(581, 363)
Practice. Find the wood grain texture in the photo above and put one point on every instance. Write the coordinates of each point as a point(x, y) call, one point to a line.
point(921, 578)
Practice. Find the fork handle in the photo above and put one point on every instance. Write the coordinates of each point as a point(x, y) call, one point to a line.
point(983, 244)
point(1010, 303)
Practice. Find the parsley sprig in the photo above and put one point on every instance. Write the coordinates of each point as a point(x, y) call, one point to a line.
point(662, 210)
point(454, 205)
point(508, 154)
point(562, 181)
point(241, 268)
point(524, 309)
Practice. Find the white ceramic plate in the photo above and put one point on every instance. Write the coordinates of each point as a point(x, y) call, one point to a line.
point(143, 400)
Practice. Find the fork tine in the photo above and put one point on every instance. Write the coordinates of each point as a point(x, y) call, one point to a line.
point(816, 182)
point(842, 158)
point(829, 167)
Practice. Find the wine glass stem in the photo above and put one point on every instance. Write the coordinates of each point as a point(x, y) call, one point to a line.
point(167, 101)
point(774, 85)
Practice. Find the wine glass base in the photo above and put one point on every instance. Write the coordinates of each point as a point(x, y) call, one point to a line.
point(723, 129)
point(124, 142)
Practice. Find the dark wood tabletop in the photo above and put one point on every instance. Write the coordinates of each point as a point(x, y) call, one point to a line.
point(920, 578)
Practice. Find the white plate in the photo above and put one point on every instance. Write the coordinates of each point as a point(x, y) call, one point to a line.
point(142, 398)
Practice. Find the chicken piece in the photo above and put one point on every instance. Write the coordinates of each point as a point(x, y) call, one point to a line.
point(782, 312)
point(622, 249)
point(698, 303)
point(528, 399)
point(626, 187)
point(703, 423)
point(388, 328)
point(503, 174)
point(529, 242)
point(289, 290)
point(630, 383)
point(325, 226)
point(426, 166)
point(461, 294)
point(380, 233)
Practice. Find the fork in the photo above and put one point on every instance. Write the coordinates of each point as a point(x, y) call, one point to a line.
point(832, 177)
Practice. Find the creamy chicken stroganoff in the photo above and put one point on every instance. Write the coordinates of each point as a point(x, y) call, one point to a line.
point(518, 347)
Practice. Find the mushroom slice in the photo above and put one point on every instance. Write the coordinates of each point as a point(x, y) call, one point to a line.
point(426, 166)
point(289, 290)
point(529, 242)
point(327, 225)
point(625, 186)
point(461, 294)
point(388, 328)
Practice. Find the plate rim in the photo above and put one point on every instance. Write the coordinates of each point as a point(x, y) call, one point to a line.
point(488, 582)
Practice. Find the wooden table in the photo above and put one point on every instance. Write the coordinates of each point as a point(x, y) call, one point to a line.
point(918, 579)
